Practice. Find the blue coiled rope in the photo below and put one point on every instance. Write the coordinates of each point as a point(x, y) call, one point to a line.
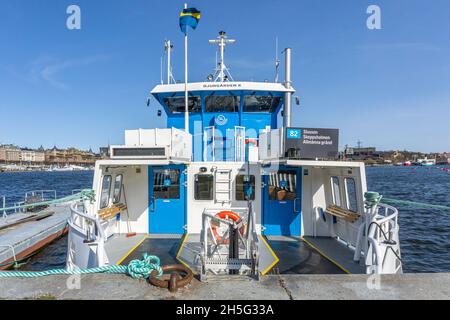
point(137, 269)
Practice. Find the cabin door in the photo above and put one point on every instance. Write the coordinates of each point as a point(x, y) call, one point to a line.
point(167, 199)
point(282, 202)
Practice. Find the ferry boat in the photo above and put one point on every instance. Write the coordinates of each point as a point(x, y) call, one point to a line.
point(232, 188)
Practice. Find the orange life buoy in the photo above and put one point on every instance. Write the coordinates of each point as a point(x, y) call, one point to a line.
point(253, 141)
point(227, 215)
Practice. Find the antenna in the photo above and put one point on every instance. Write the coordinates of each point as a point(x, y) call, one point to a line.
point(168, 47)
point(162, 81)
point(277, 60)
point(222, 73)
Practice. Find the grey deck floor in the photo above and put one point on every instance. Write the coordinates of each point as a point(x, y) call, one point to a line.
point(164, 247)
point(297, 257)
point(119, 245)
point(338, 252)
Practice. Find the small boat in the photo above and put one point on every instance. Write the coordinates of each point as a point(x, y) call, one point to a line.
point(24, 232)
point(427, 162)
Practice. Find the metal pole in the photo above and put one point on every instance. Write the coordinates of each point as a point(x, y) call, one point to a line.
point(222, 63)
point(169, 49)
point(186, 99)
point(287, 84)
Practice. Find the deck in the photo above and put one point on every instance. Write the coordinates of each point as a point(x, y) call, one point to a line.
point(296, 255)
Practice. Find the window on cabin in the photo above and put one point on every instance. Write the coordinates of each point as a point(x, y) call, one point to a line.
point(204, 184)
point(243, 182)
point(336, 191)
point(283, 185)
point(350, 188)
point(222, 103)
point(106, 188)
point(255, 103)
point(166, 183)
point(117, 189)
point(177, 104)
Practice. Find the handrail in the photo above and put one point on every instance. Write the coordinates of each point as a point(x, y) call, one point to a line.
point(383, 224)
point(3, 206)
point(42, 192)
point(92, 219)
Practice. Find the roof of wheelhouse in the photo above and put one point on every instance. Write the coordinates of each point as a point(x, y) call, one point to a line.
point(221, 86)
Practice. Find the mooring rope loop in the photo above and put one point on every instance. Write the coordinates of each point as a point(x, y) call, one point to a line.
point(136, 269)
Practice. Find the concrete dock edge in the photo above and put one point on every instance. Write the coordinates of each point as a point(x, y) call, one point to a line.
point(284, 287)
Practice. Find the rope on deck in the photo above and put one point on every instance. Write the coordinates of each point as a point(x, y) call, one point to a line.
point(414, 204)
point(136, 269)
point(374, 198)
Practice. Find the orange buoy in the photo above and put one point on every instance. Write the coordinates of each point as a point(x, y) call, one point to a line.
point(227, 215)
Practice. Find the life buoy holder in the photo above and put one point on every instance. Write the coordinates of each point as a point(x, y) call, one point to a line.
point(227, 215)
point(252, 141)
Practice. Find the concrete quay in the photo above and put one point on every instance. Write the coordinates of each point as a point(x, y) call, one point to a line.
point(279, 287)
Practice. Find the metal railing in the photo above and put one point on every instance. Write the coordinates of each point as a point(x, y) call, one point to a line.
point(85, 223)
point(3, 212)
point(383, 239)
point(212, 257)
point(42, 195)
point(88, 236)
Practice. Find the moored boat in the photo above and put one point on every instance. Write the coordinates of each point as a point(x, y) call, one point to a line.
point(231, 187)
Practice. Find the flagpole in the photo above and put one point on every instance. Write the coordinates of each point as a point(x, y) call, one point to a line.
point(186, 99)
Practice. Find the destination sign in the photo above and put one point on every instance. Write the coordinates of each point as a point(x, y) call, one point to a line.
point(312, 143)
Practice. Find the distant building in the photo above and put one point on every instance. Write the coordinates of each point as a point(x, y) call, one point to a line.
point(69, 156)
point(2, 155)
point(362, 153)
point(13, 155)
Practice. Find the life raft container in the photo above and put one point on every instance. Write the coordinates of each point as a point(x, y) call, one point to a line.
point(227, 215)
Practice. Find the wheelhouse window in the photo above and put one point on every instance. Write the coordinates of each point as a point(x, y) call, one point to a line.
point(258, 103)
point(350, 188)
point(177, 104)
point(106, 189)
point(166, 183)
point(283, 185)
point(336, 191)
point(245, 184)
point(117, 188)
point(203, 187)
point(222, 103)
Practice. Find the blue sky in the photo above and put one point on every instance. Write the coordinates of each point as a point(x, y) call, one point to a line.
point(390, 88)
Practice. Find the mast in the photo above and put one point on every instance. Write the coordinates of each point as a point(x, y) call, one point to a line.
point(288, 85)
point(168, 46)
point(186, 98)
point(222, 73)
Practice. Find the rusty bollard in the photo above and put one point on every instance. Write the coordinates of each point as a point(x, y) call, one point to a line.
point(180, 276)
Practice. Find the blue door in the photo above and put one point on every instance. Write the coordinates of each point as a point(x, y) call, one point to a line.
point(167, 200)
point(282, 202)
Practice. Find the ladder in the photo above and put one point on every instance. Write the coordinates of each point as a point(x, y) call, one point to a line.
point(223, 186)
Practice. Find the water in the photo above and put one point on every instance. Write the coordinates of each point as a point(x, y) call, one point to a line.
point(424, 233)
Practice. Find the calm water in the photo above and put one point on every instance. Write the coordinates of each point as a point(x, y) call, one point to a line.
point(424, 233)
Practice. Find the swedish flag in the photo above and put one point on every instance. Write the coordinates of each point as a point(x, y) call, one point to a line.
point(189, 17)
